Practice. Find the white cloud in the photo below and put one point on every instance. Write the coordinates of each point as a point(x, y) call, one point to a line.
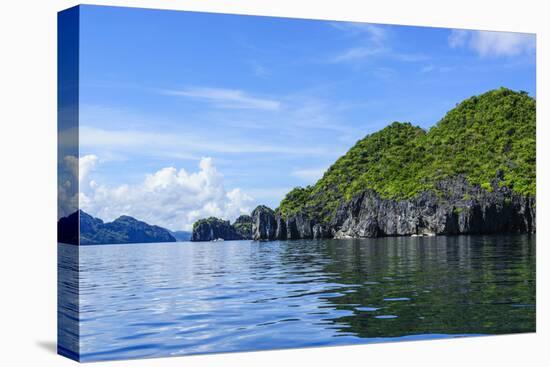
point(409, 57)
point(458, 38)
point(373, 41)
point(164, 144)
point(70, 165)
point(68, 189)
point(357, 53)
point(86, 164)
point(226, 98)
point(98, 137)
point(487, 43)
point(375, 33)
point(301, 119)
point(171, 198)
point(432, 68)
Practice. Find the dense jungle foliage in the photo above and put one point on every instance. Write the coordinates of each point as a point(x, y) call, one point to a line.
point(487, 138)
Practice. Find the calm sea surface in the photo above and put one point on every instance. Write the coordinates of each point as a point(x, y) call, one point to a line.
point(149, 300)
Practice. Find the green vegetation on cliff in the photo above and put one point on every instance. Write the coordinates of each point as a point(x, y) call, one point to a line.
point(243, 225)
point(210, 221)
point(485, 138)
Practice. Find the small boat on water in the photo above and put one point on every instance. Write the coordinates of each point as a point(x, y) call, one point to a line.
point(218, 240)
point(425, 234)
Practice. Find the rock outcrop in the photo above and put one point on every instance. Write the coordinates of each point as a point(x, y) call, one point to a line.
point(264, 224)
point(454, 208)
point(211, 229)
point(299, 226)
point(243, 226)
point(269, 225)
point(281, 231)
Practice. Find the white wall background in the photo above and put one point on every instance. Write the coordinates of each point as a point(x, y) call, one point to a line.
point(28, 181)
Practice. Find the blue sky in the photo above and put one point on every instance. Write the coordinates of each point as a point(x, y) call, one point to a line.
point(184, 114)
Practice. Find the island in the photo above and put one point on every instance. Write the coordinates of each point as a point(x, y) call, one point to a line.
point(124, 229)
point(474, 172)
point(212, 229)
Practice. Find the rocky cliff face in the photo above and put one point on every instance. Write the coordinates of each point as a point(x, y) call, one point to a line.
point(268, 225)
point(243, 226)
point(211, 229)
point(264, 225)
point(455, 207)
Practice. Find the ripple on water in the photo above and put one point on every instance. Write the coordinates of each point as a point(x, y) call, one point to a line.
point(367, 309)
point(154, 324)
point(135, 336)
point(144, 301)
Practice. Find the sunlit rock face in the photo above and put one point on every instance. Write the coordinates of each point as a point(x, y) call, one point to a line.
point(456, 207)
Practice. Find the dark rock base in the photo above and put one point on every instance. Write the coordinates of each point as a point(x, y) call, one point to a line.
point(454, 207)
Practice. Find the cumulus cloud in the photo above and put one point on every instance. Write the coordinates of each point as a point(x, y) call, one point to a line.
point(171, 198)
point(487, 43)
point(85, 165)
point(67, 186)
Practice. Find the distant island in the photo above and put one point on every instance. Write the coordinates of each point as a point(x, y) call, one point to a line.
point(474, 172)
point(124, 229)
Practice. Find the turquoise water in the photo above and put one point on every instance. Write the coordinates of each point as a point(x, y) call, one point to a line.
point(151, 300)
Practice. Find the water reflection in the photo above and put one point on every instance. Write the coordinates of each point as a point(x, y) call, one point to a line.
point(451, 285)
point(182, 298)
